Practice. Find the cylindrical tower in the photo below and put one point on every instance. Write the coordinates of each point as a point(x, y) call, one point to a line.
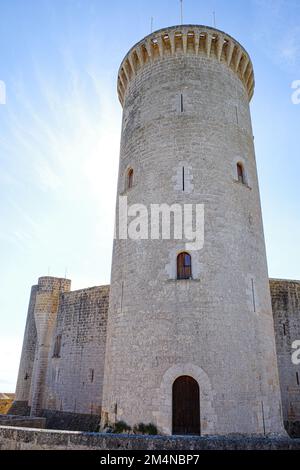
point(21, 402)
point(190, 343)
point(45, 315)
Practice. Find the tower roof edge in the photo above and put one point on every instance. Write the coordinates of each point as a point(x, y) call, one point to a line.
point(186, 39)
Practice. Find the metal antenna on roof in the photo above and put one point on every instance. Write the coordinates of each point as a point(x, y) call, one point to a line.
point(66, 270)
point(181, 11)
point(151, 27)
point(214, 18)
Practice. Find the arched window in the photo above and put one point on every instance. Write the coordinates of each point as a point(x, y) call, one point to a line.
point(240, 173)
point(184, 266)
point(129, 178)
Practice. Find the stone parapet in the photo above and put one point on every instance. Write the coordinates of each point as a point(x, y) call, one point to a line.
point(186, 40)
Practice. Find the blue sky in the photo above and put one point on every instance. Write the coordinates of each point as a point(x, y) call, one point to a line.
point(60, 132)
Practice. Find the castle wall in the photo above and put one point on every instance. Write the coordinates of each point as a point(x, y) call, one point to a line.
point(73, 384)
point(73, 401)
point(63, 382)
point(286, 312)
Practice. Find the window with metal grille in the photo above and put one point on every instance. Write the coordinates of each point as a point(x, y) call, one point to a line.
point(240, 173)
point(57, 346)
point(184, 266)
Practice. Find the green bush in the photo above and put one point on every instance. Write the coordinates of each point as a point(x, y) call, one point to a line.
point(142, 428)
point(120, 427)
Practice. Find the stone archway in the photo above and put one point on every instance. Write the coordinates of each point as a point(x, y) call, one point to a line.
point(163, 413)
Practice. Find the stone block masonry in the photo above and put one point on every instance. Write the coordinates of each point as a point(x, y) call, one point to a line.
point(82, 318)
point(185, 92)
point(75, 373)
point(286, 311)
point(62, 362)
point(22, 421)
point(23, 439)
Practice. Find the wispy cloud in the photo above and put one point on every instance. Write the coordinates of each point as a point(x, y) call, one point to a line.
point(289, 47)
point(65, 141)
point(59, 160)
point(277, 30)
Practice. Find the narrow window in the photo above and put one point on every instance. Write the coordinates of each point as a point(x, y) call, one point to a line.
point(284, 329)
point(184, 266)
point(26, 376)
point(57, 346)
point(130, 178)
point(236, 115)
point(181, 103)
point(91, 375)
point(253, 295)
point(297, 378)
point(183, 178)
point(240, 173)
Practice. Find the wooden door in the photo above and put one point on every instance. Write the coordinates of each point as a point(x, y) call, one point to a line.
point(186, 406)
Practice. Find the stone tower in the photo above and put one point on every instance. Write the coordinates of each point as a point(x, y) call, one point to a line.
point(201, 349)
point(41, 319)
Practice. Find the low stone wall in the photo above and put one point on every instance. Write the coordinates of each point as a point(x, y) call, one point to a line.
point(31, 439)
point(293, 428)
point(22, 421)
point(59, 419)
point(71, 421)
point(20, 408)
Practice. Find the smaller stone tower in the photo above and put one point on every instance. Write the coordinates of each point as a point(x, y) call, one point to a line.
point(20, 405)
point(41, 319)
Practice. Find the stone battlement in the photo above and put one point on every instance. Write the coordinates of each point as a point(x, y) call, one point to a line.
point(186, 39)
point(50, 283)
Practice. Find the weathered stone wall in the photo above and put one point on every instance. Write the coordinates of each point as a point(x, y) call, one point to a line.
point(20, 408)
point(22, 439)
point(188, 107)
point(22, 421)
point(71, 421)
point(93, 305)
point(66, 388)
point(286, 312)
point(74, 379)
point(20, 405)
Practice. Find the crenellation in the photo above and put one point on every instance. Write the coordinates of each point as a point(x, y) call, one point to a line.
point(186, 40)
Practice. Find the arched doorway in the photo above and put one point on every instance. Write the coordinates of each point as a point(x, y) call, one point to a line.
point(186, 406)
